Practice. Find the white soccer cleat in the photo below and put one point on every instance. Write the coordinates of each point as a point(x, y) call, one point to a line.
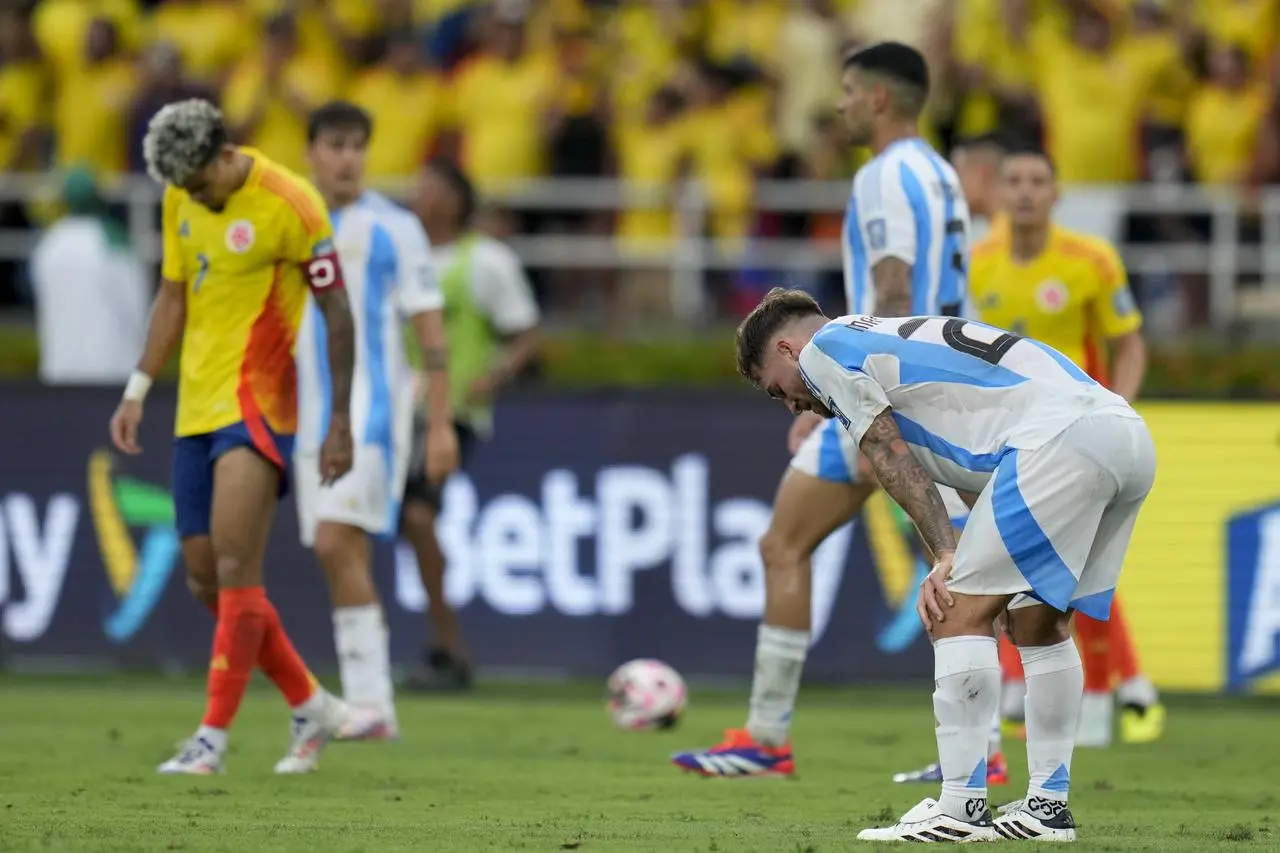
point(1036, 820)
point(927, 823)
point(1097, 720)
point(196, 757)
point(311, 733)
point(368, 724)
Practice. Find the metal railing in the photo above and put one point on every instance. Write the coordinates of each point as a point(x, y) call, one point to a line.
point(1222, 258)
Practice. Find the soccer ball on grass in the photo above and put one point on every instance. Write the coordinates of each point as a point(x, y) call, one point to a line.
point(646, 695)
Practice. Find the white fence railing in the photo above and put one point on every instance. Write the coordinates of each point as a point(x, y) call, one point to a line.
point(1099, 210)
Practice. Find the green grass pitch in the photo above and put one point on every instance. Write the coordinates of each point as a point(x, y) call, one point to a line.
point(540, 769)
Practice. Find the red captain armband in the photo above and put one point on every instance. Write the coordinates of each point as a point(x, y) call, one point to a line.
point(324, 272)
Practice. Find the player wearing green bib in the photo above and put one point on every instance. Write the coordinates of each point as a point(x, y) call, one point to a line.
point(490, 318)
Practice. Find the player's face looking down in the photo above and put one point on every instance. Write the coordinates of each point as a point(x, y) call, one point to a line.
point(213, 185)
point(1028, 190)
point(779, 373)
point(337, 158)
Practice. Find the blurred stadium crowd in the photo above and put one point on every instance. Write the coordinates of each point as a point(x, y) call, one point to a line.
point(727, 91)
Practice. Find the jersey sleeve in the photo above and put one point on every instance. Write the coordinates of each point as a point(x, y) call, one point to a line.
point(171, 267)
point(854, 398)
point(885, 215)
point(503, 292)
point(1115, 311)
point(307, 233)
point(417, 290)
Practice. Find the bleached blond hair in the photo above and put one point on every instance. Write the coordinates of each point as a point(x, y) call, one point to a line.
point(183, 138)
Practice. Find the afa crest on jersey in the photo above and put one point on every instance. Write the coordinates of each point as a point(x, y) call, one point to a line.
point(240, 236)
point(876, 234)
point(1052, 296)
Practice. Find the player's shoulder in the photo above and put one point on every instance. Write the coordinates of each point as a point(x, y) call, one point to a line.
point(989, 249)
point(292, 192)
point(400, 222)
point(1095, 252)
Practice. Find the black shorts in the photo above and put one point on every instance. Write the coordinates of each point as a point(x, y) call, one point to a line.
point(416, 488)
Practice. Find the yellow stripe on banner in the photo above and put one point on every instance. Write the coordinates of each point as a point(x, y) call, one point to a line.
point(890, 552)
point(1214, 461)
point(119, 555)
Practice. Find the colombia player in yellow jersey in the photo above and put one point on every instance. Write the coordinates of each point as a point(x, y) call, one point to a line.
point(1070, 291)
point(244, 239)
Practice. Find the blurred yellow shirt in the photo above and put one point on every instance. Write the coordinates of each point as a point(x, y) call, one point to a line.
point(650, 156)
point(727, 142)
point(316, 43)
point(407, 113)
point(210, 36)
point(1157, 58)
point(430, 11)
point(746, 28)
point(1251, 24)
point(61, 27)
point(1093, 106)
point(281, 134)
point(499, 109)
point(91, 119)
point(643, 55)
point(1222, 132)
point(22, 107)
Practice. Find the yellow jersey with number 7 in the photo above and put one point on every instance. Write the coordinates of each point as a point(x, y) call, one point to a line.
point(246, 290)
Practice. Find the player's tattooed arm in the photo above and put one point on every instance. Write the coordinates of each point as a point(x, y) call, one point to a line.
point(333, 304)
point(428, 326)
point(906, 481)
point(892, 278)
point(164, 326)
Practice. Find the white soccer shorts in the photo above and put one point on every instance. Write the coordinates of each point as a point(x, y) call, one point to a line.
point(1053, 524)
point(367, 497)
point(829, 453)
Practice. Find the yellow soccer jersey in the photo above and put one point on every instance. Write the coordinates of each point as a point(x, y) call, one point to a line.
point(1074, 296)
point(246, 290)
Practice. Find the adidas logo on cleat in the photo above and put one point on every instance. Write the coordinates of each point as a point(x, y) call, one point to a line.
point(1028, 824)
point(953, 834)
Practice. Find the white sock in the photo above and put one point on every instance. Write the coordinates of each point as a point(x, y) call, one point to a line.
point(216, 738)
point(966, 672)
point(995, 739)
point(364, 662)
point(1137, 691)
point(780, 654)
point(1055, 686)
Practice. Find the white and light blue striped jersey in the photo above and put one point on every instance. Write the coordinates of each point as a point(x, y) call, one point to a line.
point(907, 204)
point(386, 264)
point(960, 391)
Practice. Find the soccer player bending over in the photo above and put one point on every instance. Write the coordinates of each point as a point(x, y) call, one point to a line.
point(244, 239)
point(389, 277)
point(1055, 468)
point(906, 252)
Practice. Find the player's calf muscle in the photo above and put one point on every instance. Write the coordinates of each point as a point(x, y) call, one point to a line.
point(343, 553)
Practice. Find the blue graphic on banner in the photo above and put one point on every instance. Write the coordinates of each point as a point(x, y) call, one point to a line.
point(1253, 595)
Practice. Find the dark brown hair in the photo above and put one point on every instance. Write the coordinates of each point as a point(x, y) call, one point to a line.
point(779, 307)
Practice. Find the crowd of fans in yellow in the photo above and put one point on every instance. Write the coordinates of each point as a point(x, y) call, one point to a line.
point(725, 90)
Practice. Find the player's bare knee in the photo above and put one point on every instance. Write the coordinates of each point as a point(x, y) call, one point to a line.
point(782, 556)
point(417, 518)
point(1039, 625)
point(235, 572)
point(970, 616)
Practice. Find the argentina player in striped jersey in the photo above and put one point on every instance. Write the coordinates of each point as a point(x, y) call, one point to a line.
point(386, 256)
point(905, 252)
point(1055, 468)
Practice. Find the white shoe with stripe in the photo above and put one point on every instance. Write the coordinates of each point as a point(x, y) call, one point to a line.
point(927, 823)
point(1036, 819)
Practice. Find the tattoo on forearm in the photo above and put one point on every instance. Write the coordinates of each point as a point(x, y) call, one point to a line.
point(435, 359)
point(336, 309)
point(908, 483)
point(893, 288)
